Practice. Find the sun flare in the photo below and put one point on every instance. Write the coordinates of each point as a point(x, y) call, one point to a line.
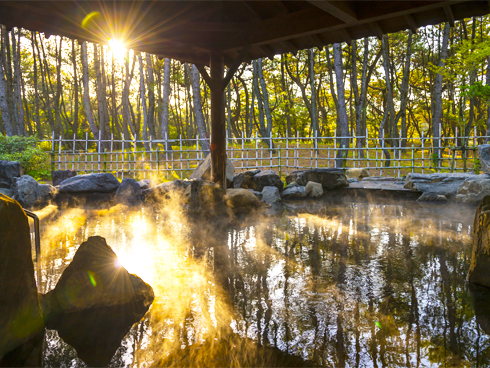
point(117, 48)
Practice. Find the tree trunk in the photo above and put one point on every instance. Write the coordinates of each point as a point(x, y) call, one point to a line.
point(265, 96)
point(286, 100)
point(143, 103)
point(75, 85)
point(45, 82)
point(7, 66)
point(314, 122)
point(151, 96)
point(487, 81)
point(341, 108)
point(165, 103)
point(355, 92)
point(388, 111)
point(263, 129)
point(4, 108)
point(18, 109)
point(196, 95)
point(86, 92)
point(57, 98)
point(404, 90)
point(105, 109)
point(436, 133)
point(36, 95)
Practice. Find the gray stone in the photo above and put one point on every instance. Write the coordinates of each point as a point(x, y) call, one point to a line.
point(313, 189)
point(271, 195)
point(257, 194)
point(8, 171)
point(432, 197)
point(203, 171)
point(20, 315)
point(25, 190)
point(267, 178)
point(484, 155)
point(96, 302)
point(294, 192)
point(164, 190)
point(473, 190)
point(99, 182)
point(356, 173)
point(241, 199)
point(353, 180)
point(445, 184)
point(129, 191)
point(381, 178)
point(328, 178)
point(245, 179)
point(45, 192)
point(292, 184)
point(7, 192)
point(58, 176)
point(145, 184)
point(480, 259)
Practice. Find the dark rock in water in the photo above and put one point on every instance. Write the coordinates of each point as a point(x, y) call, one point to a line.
point(480, 298)
point(8, 171)
point(203, 171)
point(95, 302)
point(479, 272)
point(484, 154)
point(164, 190)
point(267, 178)
point(445, 184)
point(28, 192)
point(313, 189)
point(245, 179)
point(257, 194)
point(129, 192)
point(271, 195)
point(99, 182)
point(328, 178)
point(432, 197)
point(58, 176)
point(145, 184)
point(294, 192)
point(241, 199)
point(21, 322)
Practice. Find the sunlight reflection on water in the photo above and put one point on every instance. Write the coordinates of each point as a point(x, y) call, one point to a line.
point(361, 285)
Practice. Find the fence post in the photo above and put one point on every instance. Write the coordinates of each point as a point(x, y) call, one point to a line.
point(59, 152)
point(366, 141)
point(279, 157)
point(180, 137)
point(413, 161)
point(287, 152)
point(297, 150)
point(422, 146)
point(134, 156)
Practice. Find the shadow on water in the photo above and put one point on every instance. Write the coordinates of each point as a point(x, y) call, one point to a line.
point(334, 284)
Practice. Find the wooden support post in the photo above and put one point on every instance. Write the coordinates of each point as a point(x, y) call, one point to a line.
point(218, 131)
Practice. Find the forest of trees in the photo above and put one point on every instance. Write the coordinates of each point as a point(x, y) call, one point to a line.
point(406, 83)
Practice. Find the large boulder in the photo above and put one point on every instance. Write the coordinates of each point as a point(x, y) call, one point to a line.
point(294, 192)
point(267, 178)
point(480, 298)
point(484, 154)
point(474, 189)
point(58, 176)
point(241, 199)
point(28, 192)
point(479, 271)
point(313, 189)
point(8, 171)
point(21, 323)
point(145, 184)
point(95, 302)
point(328, 178)
point(444, 184)
point(166, 190)
point(203, 171)
point(245, 179)
point(356, 173)
point(99, 182)
point(271, 195)
point(129, 192)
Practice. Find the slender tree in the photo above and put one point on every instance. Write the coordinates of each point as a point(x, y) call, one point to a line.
point(86, 92)
point(342, 109)
point(165, 104)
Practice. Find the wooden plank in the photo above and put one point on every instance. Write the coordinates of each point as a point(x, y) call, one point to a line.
point(342, 10)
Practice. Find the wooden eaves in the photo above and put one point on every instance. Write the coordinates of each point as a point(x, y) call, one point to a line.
point(215, 33)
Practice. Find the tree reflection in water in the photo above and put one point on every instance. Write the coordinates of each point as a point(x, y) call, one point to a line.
point(354, 285)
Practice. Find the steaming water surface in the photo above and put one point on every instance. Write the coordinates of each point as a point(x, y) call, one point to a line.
point(357, 285)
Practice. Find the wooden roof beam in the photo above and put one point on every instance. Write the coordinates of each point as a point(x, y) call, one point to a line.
point(411, 23)
point(449, 15)
point(340, 10)
point(377, 30)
